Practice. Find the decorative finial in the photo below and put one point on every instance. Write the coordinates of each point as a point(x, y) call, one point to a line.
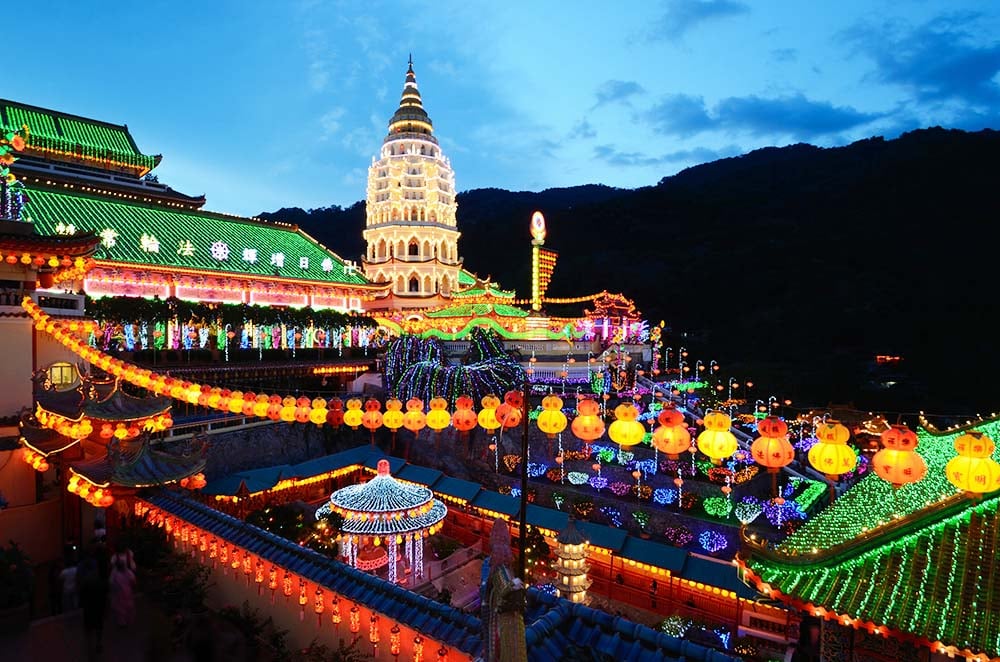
point(383, 467)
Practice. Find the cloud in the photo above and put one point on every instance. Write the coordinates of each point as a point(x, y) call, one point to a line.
point(318, 72)
point(684, 15)
point(617, 91)
point(939, 60)
point(330, 122)
point(582, 129)
point(681, 115)
point(784, 54)
point(794, 115)
point(612, 156)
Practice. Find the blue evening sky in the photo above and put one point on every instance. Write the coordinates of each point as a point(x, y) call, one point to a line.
point(263, 105)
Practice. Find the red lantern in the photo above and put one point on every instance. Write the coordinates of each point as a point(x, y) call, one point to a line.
point(464, 419)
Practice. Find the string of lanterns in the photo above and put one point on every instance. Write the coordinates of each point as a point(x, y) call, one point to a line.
point(898, 463)
point(247, 567)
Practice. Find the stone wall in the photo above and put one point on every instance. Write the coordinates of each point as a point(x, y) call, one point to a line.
point(264, 444)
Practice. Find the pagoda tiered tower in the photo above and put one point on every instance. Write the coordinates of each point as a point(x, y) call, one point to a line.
point(410, 228)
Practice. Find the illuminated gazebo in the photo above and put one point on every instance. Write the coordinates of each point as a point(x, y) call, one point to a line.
point(381, 515)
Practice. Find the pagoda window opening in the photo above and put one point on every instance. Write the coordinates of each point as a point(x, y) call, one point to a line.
point(446, 285)
point(413, 213)
point(400, 284)
point(62, 375)
point(413, 250)
point(433, 216)
point(395, 214)
point(414, 284)
point(428, 284)
point(443, 253)
point(427, 249)
point(380, 251)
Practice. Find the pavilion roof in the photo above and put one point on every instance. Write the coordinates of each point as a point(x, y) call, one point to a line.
point(184, 239)
point(51, 130)
point(381, 494)
point(140, 465)
point(123, 407)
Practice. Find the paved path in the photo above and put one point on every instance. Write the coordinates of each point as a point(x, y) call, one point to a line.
point(61, 638)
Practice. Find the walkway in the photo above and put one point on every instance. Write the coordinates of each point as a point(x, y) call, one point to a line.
point(61, 639)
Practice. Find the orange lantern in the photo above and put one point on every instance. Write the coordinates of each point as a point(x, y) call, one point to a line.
point(672, 436)
point(414, 419)
point(717, 442)
point(974, 471)
point(831, 456)
point(372, 418)
point(552, 420)
point(393, 417)
point(438, 417)
point(508, 415)
point(626, 430)
point(587, 426)
point(898, 463)
point(353, 415)
point(772, 449)
point(488, 414)
point(464, 419)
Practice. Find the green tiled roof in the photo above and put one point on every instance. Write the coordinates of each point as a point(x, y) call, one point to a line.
point(479, 309)
point(53, 130)
point(940, 582)
point(482, 291)
point(466, 278)
point(185, 239)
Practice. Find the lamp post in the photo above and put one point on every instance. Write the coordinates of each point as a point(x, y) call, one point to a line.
point(522, 544)
point(732, 384)
point(698, 367)
point(713, 366)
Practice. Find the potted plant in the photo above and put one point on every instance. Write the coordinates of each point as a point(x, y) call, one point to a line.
point(16, 586)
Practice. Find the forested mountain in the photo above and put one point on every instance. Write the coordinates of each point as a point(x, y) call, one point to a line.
point(795, 265)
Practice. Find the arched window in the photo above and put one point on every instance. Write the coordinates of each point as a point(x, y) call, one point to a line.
point(428, 284)
point(414, 284)
point(395, 214)
point(381, 252)
point(445, 285)
point(427, 248)
point(413, 249)
point(400, 284)
point(63, 375)
point(434, 217)
point(443, 251)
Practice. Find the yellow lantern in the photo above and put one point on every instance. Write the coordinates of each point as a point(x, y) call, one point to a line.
point(488, 414)
point(626, 430)
point(551, 420)
point(831, 456)
point(438, 417)
point(353, 415)
point(974, 471)
point(717, 442)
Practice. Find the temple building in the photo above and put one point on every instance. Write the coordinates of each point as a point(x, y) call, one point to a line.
point(85, 175)
point(410, 227)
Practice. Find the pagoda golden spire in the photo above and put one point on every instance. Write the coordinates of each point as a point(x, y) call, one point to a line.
point(410, 117)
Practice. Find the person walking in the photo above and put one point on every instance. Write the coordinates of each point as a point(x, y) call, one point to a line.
point(122, 584)
point(67, 580)
point(93, 589)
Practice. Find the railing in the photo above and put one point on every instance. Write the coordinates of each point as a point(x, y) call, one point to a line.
point(55, 303)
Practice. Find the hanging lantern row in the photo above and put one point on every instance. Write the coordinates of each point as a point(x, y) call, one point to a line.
point(82, 427)
point(830, 455)
point(98, 496)
point(53, 261)
point(252, 569)
point(35, 460)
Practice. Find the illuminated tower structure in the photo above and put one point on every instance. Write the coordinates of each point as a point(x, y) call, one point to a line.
point(410, 228)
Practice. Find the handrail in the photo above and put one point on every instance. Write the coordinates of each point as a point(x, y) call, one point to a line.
point(870, 539)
